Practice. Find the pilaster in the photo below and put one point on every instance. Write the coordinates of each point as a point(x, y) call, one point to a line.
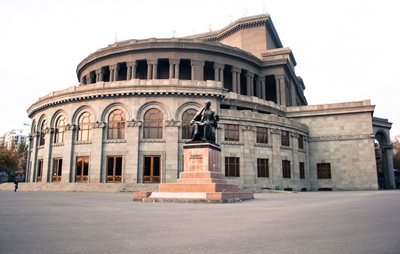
point(96, 175)
point(67, 169)
point(132, 139)
point(276, 169)
point(172, 152)
point(197, 70)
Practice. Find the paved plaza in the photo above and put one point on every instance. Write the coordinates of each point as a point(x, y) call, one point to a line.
point(312, 222)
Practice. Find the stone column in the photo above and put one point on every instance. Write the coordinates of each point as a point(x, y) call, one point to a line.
point(46, 173)
point(97, 172)
point(276, 169)
point(174, 68)
point(152, 69)
point(249, 83)
point(388, 171)
point(98, 76)
point(113, 73)
point(236, 79)
point(249, 165)
point(263, 90)
point(197, 70)
point(219, 72)
point(34, 159)
point(28, 159)
point(280, 83)
point(67, 173)
point(131, 70)
point(132, 161)
point(88, 79)
point(295, 167)
point(172, 153)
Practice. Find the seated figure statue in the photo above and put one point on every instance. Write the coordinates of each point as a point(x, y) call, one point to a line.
point(204, 124)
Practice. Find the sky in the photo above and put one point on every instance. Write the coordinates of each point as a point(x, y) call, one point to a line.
point(345, 50)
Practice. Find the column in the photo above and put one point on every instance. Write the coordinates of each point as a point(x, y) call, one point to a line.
point(276, 169)
point(35, 137)
point(67, 173)
point(98, 76)
point(219, 72)
point(295, 167)
point(248, 168)
point(28, 159)
point(281, 96)
point(197, 70)
point(131, 70)
point(132, 159)
point(389, 181)
point(152, 69)
point(249, 83)
point(88, 79)
point(113, 73)
point(262, 85)
point(236, 79)
point(174, 68)
point(97, 171)
point(172, 153)
point(47, 165)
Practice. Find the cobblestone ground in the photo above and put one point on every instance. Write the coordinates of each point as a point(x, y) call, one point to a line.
point(313, 222)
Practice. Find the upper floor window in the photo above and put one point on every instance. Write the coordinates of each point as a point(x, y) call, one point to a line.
point(323, 170)
point(262, 135)
point(231, 132)
point(186, 118)
point(153, 124)
point(59, 130)
point(116, 125)
point(285, 138)
point(301, 142)
point(42, 133)
point(84, 127)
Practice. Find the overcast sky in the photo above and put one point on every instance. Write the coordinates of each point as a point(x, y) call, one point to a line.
point(345, 50)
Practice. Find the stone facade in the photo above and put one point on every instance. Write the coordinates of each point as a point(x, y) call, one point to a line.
point(268, 135)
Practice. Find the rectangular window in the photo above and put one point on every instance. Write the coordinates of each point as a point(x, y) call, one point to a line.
point(262, 135)
point(57, 169)
point(285, 138)
point(302, 172)
point(301, 142)
point(114, 169)
point(324, 170)
point(262, 168)
point(286, 169)
point(39, 171)
point(231, 132)
point(232, 166)
point(82, 169)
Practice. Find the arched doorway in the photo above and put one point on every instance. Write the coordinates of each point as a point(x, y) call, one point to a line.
point(383, 153)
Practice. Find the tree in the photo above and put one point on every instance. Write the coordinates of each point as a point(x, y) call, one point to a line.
point(14, 159)
point(396, 152)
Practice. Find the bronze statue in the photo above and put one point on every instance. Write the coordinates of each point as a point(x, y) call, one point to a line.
point(204, 124)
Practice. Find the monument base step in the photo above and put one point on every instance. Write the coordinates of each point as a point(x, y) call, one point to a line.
point(192, 197)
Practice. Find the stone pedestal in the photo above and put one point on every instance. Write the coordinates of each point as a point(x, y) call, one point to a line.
point(201, 180)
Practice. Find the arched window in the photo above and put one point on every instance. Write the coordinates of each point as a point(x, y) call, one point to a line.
point(84, 127)
point(43, 127)
point(186, 118)
point(153, 120)
point(116, 125)
point(59, 130)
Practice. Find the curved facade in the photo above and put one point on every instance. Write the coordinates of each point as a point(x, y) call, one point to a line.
point(127, 120)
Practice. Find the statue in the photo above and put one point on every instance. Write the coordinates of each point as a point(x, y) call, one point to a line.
point(204, 124)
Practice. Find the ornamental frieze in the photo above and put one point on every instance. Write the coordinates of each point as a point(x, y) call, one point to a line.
point(340, 138)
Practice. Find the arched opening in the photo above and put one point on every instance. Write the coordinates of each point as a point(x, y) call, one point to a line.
point(186, 118)
point(116, 125)
point(84, 127)
point(384, 163)
point(59, 130)
point(153, 124)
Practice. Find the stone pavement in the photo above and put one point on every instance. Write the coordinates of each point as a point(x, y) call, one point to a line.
point(312, 222)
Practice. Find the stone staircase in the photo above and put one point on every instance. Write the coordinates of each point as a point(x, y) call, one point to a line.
point(81, 187)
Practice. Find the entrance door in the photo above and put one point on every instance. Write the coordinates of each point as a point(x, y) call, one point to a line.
point(114, 169)
point(151, 172)
point(82, 169)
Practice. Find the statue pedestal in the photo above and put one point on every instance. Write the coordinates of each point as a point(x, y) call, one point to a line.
point(201, 180)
